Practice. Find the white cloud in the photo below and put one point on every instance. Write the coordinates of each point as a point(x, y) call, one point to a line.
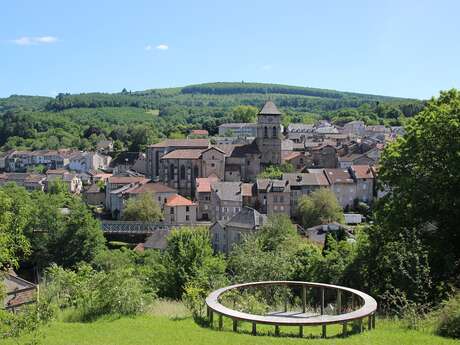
point(46, 39)
point(29, 40)
point(148, 47)
point(267, 67)
point(162, 47)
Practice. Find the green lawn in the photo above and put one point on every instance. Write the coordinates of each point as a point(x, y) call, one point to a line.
point(164, 330)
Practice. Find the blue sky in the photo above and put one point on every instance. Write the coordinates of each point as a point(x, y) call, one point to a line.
point(399, 48)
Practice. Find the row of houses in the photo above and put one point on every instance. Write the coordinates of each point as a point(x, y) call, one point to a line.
point(78, 161)
point(42, 182)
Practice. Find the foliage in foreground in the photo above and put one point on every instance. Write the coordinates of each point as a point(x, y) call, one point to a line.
point(448, 324)
point(92, 293)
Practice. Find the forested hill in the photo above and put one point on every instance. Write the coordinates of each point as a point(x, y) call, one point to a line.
point(134, 118)
point(225, 88)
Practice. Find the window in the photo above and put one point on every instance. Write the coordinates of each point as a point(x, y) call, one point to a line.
point(171, 210)
point(265, 132)
point(182, 172)
point(275, 198)
point(187, 217)
point(212, 158)
point(281, 198)
point(171, 171)
point(248, 161)
point(187, 208)
point(282, 208)
point(195, 171)
point(274, 132)
point(213, 165)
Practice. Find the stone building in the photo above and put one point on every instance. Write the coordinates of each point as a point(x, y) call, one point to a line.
point(364, 177)
point(225, 234)
point(203, 196)
point(226, 200)
point(180, 168)
point(156, 151)
point(273, 196)
point(179, 210)
point(303, 184)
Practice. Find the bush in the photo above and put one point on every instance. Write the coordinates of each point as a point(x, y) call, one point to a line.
point(94, 293)
point(449, 318)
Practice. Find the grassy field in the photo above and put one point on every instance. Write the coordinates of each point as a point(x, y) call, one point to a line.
point(170, 326)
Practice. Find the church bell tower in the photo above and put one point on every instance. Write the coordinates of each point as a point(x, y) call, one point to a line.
point(269, 136)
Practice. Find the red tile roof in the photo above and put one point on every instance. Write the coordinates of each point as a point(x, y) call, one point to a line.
point(183, 154)
point(287, 156)
point(178, 200)
point(199, 132)
point(203, 184)
point(201, 143)
point(362, 171)
point(153, 187)
point(127, 179)
point(338, 176)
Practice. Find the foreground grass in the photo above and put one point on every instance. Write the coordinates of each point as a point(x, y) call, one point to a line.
point(168, 323)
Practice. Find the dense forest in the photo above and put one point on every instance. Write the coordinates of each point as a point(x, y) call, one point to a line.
point(81, 120)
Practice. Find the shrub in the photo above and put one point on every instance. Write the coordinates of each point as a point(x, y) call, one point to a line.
point(449, 318)
point(94, 293)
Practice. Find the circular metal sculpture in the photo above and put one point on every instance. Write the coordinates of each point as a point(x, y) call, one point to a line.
point(357, 306)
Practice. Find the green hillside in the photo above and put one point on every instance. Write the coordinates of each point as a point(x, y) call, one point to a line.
point(134, 119)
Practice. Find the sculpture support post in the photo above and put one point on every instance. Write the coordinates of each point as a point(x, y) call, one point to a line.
point(322, 301)
point(304, 299)
point(339, 302)
point(254, 329)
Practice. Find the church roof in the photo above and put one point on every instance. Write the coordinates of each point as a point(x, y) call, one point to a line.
point(269, 108)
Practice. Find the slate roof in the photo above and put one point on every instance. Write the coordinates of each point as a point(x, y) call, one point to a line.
point(243, 150)
point(247, 218)
point(269, 108)
point(125, 158)
point(228, 191)
point(157, 240)
point(306, 179)
point(196, 143)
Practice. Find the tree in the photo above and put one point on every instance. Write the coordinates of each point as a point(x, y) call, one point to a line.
point(16, 210)
point(143, 208)
point(422, 170)
point(188, 260)
point(319, 207)
point(64, 231)
point(275, 252)
point(244, 114)
point(276, 171)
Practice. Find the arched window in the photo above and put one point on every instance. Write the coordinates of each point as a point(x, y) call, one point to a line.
point(274, 132)
point(182, 172)
point(265, 132)
point(171, 171)
point(195, 171)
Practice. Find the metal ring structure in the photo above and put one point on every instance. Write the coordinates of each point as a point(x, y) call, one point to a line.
point(368, 307)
